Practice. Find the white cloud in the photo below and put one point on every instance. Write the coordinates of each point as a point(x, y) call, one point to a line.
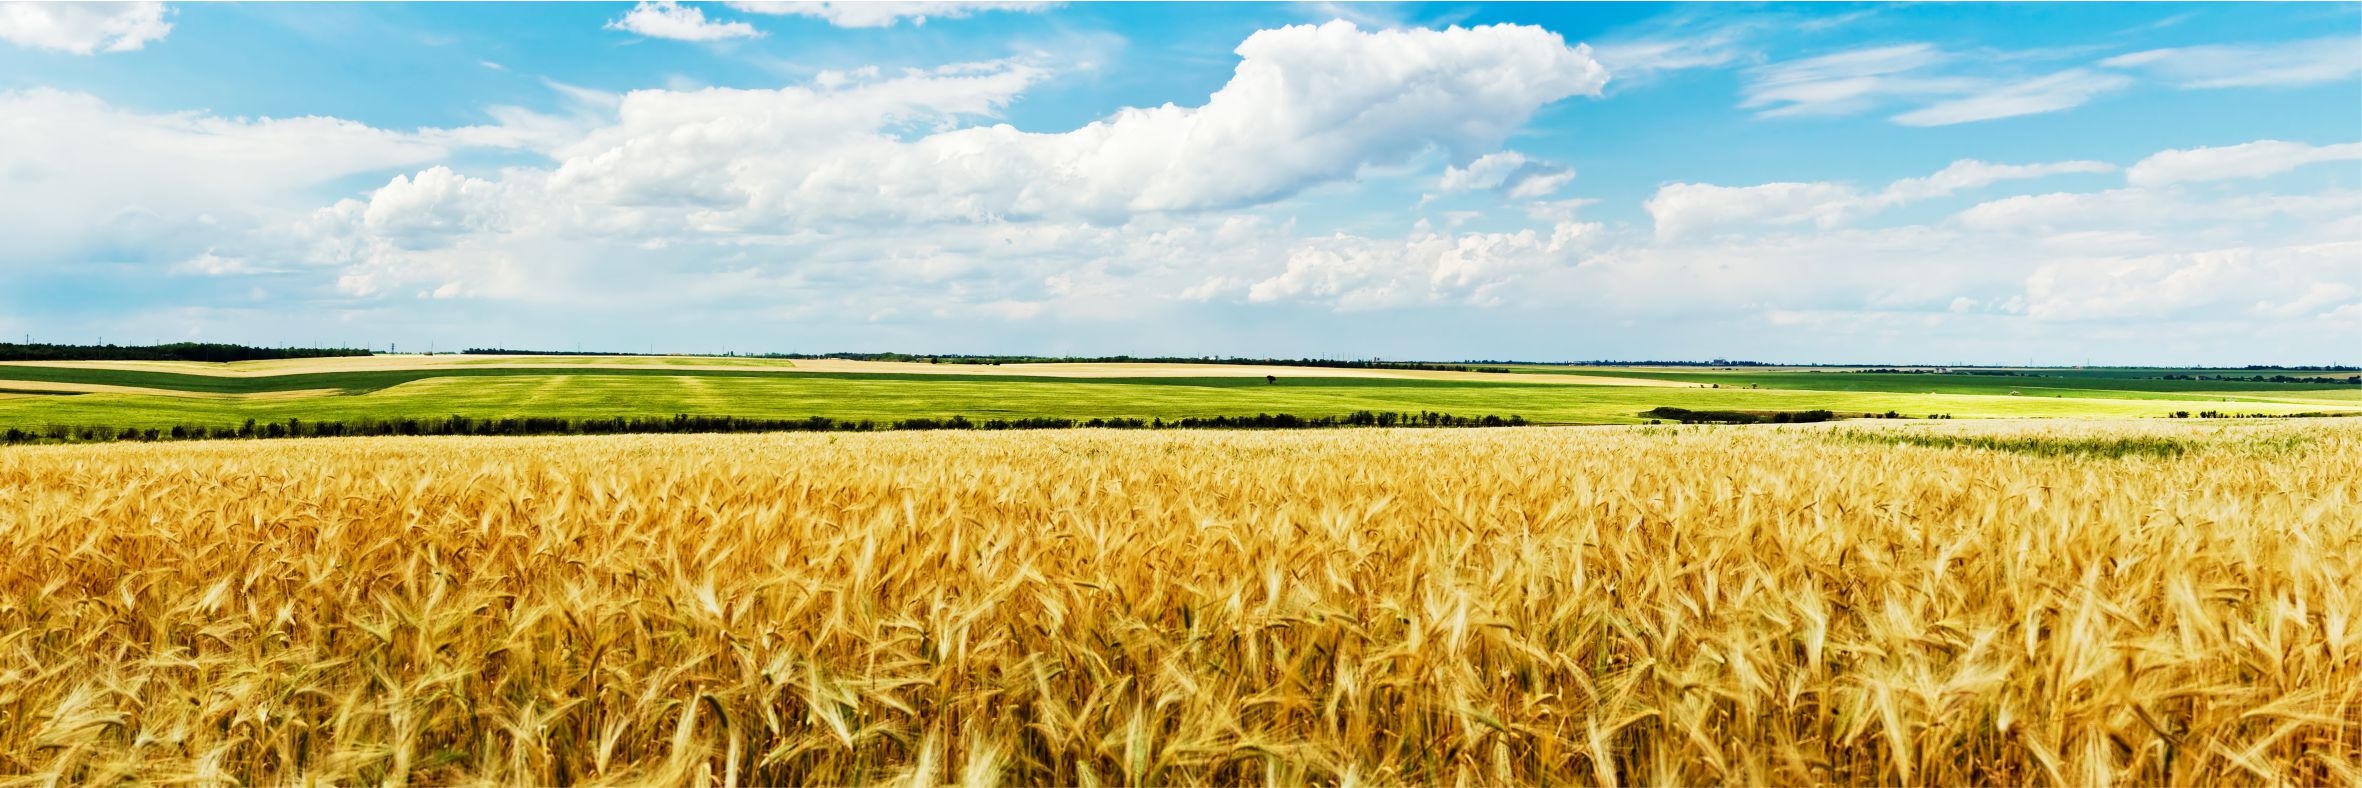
point(1508, 172)
point(669, 19)
point(1968, 174)
point(2282, 282)
point(1948, 88)
point(2158, 209)
point(1558, 211)
point(83, 28)
point(1641, 60)
point(2247, 160)
point(1353, 273)
point(209, 264)
point(1847, 82)
point(2161, 266)
point(1685, 209)
point(2050, 93)
point(435, 204)
point(76, 172)
point(886, 13)
point(1306, 105)
point(2284, 63)
point(1486, 172)
point(881, 198)
point(814, 166)
point(1541, 183)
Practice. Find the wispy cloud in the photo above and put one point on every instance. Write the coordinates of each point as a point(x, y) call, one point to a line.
point(1693, 209)
point(2250, 65)
point(1850, 81)
point(2249, 160)
point(2050, 93)
point(1509, 173)
point(1638, 60)
point(885, 13)
point(1949, 88)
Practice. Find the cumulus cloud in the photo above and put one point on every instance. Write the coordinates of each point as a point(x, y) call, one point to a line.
point(916, 151)
point(669, 19)
point(2286, 63)
point(1682, 209)
point(436, 203)
point(77, 172)
point(885, 13)
point(1354, 273)
point(1306, 105)
point(880, 197)
point(2248, 160)
point(83, 28)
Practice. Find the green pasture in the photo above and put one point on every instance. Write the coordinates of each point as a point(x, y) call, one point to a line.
point(584, 393)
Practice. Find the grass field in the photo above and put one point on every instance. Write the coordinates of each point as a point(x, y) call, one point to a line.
point(165, 394)
point(2158, 602)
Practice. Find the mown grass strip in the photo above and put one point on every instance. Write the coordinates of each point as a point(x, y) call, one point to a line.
point(2110, 446)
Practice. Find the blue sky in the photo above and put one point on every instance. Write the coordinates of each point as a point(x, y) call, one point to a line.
point(1962, 183)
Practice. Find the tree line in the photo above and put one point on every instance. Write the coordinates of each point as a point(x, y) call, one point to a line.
point(2321, 379)
point(685, 423)
point(172, 351)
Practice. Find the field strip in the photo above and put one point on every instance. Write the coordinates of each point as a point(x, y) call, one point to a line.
point(830, 367)
point(35, 388)
point(1170, 370)
point(275, 368)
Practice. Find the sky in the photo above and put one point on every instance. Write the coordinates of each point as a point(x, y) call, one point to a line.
point(2019, 183)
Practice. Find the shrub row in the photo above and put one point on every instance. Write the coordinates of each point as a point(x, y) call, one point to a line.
point(1687, 416)
point(685, 423)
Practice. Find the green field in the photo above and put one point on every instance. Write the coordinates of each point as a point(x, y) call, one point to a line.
point(585, 388)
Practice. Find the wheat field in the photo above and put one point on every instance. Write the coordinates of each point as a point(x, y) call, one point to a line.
point(2072, 604)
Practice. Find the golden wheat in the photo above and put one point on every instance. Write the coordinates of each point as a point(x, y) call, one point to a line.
point(1528, 606)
